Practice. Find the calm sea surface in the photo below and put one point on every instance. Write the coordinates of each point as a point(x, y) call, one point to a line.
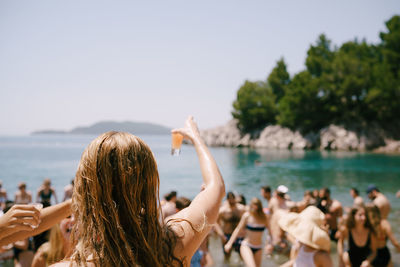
point(33, 158)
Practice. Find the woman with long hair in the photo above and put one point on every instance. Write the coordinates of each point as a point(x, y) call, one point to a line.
point(383, 232)
point(362, 242)
point(116, 205)
point(255, 221)
point(58, 247)
point(45, 192)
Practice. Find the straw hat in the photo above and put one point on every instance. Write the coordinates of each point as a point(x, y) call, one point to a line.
point(306, 227)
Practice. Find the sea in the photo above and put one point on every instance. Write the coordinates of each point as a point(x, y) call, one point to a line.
point(33, 158)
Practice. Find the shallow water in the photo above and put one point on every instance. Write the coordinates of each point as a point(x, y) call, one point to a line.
point(32, 158)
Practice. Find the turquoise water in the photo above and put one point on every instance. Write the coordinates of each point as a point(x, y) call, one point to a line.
point(33, 158)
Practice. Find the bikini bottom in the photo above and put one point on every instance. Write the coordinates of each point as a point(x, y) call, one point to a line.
point(254, 248)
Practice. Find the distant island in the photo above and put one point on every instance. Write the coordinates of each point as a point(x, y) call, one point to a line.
point(105, 126)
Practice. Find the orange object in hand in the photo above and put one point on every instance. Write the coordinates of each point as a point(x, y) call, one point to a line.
point(176, 144)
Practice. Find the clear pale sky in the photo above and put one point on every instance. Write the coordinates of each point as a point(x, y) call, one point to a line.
point(72, 63)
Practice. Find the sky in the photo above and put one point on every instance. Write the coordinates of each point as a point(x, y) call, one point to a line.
point(73, 63)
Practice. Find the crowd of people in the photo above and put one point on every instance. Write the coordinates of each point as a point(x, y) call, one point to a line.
point(360, 232)
point(115, 218)
point(25, 252)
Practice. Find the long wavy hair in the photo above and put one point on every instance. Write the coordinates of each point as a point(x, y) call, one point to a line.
point(374, 217)
point(116, 206)
point(258, 213)
point(351, 222)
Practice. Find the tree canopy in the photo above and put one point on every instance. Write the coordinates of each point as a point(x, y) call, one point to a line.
point(356, 83)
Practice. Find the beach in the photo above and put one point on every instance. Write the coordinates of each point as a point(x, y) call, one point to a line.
point(32, 158)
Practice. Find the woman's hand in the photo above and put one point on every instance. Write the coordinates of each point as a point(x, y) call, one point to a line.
point(190, 131)
point(19, 218)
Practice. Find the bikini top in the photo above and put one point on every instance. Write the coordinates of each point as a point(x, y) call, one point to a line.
point(256, 227)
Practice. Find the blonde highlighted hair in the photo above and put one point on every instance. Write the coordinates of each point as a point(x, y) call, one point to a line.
point(53, 250)
point(116, 206)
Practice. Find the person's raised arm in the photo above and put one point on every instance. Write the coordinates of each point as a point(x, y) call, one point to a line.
point(199, 217)
point(48, 217)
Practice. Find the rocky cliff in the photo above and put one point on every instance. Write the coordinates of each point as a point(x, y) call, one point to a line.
point(333, 137)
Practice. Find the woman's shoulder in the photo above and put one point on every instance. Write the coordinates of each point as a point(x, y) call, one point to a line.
point(44, 248)
point(61, 264)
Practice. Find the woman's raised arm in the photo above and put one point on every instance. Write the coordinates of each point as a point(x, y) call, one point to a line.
point(192, 224)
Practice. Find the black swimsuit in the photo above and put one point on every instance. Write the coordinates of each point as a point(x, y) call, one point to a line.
point(358, 254)
point(46, 198)
point(382, 258)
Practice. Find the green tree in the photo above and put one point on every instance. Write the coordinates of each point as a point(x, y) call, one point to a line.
point(355, 84)
point(278, 79)
point(319, 57)
point(301, 107)
point(349, 82)
point(383, 98)
point(391, 45)
point(254, 106)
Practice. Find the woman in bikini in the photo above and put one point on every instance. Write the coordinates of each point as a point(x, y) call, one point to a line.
point(116, 205)
point(255, 222)
point(45, 193)
point(383, 232)
point(22, 196)
point(362, 242)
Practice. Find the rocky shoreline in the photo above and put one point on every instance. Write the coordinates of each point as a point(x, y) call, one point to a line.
point(333, 137)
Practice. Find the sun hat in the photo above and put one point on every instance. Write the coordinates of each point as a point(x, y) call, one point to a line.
point(371, 188)
point(306, 227)
point(282, 189)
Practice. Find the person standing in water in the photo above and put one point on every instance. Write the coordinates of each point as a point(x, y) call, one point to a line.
point(229, 216)
point(380, 200)
point(45, 192)
point(383, 232)
point(313, 244)
point(22, 196)
point(255, 221)
point(362, 241)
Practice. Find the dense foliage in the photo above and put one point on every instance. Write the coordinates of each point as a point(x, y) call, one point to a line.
point(356, 83)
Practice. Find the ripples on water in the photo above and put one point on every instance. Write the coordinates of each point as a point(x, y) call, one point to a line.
point(32, 158)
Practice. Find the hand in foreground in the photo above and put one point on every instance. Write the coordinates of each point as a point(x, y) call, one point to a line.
point(19, 218)
point(190, 131)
